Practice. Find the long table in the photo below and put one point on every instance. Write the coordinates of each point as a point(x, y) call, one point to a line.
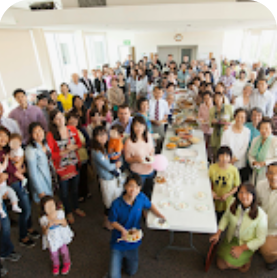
point(188, 220)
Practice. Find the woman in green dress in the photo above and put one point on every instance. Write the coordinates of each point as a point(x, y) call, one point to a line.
point(247, 230)
point(220, 117)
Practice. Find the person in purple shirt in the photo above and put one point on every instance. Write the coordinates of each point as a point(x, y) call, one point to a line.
point(25, 114)
point(228, 80)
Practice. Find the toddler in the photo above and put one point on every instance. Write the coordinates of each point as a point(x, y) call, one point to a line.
point(115, 145)
point(4, 189)
point(56, 234)
point(17, 156)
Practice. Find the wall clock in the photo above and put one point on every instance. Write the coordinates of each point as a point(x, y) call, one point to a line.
point(178, 37)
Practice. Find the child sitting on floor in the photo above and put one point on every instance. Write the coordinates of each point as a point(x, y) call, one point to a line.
point(125, 217)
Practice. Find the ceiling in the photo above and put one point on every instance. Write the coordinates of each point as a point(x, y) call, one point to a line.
point(222, 15)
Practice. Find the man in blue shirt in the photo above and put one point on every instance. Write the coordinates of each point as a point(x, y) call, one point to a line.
point(124, 118)
point(125, 215)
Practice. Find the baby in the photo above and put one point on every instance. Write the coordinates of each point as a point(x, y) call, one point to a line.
point(115, 145)
point(7, 190)
point(17, 157)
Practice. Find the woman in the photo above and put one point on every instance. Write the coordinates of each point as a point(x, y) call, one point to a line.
point(122, 84)
point(244, 100)
point(100, 105)
point(247, 230)
point(220, 116)
point(203, 116)
point(143, 109)
point(109, 77)
point(253, 80)
point(64, 143)
point(239, 85)
point(220, 88)
point(256, 115)
point(26, 232)
point(100, 84)
point(142, 84)
point(115, 96)
point(65, 97)
point(104, 168)
point(237, 138)
point(132, 80)
point(54, 96)
point(137, 147)
point(79, 109)
point(73, 119)
point(263, 150)
point(215, 73)
point(40, 168)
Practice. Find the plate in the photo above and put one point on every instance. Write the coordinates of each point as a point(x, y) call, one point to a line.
point(184, 144)
point(200, 195)
point(148, 160)
point(181, 206)
point(174, 139)
point(186, 153)
point(202, 208)
point(160, 180)
point(195, 140)
point(171, 146)
point(165, 204)
point(164, 225)
point(133, 236)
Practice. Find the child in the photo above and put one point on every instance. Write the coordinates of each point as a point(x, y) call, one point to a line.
point(125, 215)
point(17, 157)
point(115, 145)
point(95, 121)
point(225, 180)
point(4, 189)
point(56, 234)
point(170, 89)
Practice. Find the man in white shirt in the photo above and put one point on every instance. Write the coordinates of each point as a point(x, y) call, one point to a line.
point(10, 124)
point(158, 112)
point(267, 199)
point(86, 81)
point(77, 88)
point(262, 98)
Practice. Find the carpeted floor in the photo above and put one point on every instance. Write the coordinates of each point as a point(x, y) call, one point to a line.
point(90, 253)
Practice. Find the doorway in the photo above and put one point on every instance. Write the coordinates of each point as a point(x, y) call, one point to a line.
point(178, 52)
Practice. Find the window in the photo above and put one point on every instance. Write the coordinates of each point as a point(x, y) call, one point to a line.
point(63, 56)
point(96, 50)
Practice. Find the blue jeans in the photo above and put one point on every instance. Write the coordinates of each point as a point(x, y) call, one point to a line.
point(6, 245)
point(147, 184)
point(128, 259)
point(25, 222)
point(65, 187)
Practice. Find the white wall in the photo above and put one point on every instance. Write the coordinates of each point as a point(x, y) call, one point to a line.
point(232, 44)
point(206, 41)
point(115, 39)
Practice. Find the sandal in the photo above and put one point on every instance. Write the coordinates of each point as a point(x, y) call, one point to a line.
point(70, 218)
point(79, 212)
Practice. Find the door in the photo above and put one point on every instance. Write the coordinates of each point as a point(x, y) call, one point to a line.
point(186, 52)
point(163, 52)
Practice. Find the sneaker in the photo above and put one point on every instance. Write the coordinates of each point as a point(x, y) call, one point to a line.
point(56, 270)
point(66, 268)
point(13, 257)
point(3, 271)
point(34, 234)
point(29, 243)
point(16, 208)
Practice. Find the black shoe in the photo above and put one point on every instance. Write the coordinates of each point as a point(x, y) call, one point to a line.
point(272, 266)
point(34, 234)
point(13, 257)
point(3, 271)
point(29, 243)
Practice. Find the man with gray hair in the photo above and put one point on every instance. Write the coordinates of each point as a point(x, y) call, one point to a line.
point(76, 87)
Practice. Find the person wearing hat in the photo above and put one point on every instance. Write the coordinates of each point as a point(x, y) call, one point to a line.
point(262, 98)
point(42, 103)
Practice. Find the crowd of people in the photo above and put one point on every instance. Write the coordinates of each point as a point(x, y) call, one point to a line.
point(109, 122)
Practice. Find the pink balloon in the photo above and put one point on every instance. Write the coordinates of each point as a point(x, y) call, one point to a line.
point(160, 162)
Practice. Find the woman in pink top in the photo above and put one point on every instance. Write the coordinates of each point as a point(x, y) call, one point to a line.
point(109, 77)
point(137, 147)
point(100, 104)
point(203, 116)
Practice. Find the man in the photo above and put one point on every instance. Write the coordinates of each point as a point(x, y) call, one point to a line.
point(228, 80)
point(169, 60)
point(157, 63)
point(185, 61)
point(127, 61)
point(25, 114)
point(42, 103)
point(124, 118)
point(156, 79)
point(262, 98)
point(267, 199)
point(119, 69)
point(86, 81)
point(77, 88)
point(8, 123)
point(182, 75)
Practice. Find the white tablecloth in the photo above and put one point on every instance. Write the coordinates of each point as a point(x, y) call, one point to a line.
point(189, 220)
